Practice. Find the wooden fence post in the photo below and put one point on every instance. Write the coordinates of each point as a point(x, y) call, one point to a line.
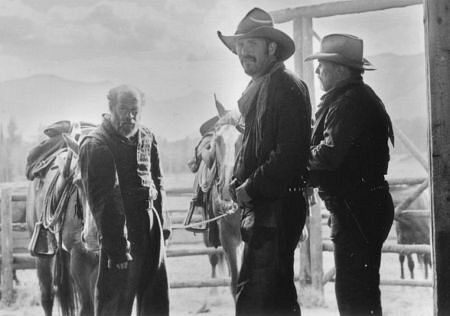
point(437, 48)
point(311, 250)
point(315, 226)
point(7, 247)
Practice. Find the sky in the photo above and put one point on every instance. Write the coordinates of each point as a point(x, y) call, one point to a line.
point(168, 47)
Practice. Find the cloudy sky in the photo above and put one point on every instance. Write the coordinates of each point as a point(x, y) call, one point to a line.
point(169, 47)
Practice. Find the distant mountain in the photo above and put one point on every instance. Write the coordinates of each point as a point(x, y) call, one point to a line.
point(40, 100)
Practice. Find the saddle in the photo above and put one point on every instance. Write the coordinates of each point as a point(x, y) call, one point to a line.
point(201, 206)
point(41, 156)
point(57, 191)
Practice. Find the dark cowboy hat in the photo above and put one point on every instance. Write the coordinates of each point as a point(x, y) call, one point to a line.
point(259, 23)
point(343, 49)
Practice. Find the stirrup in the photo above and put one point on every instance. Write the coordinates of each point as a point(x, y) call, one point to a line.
point(196, 214)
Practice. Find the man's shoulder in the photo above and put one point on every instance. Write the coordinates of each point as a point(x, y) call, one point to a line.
point(288, 80)
point(95, 138)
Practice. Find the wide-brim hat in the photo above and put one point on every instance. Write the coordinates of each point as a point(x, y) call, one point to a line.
point(343, 49)
point(259, 23)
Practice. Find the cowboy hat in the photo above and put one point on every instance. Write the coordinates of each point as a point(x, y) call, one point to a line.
point(343, 49)
point(259, 23)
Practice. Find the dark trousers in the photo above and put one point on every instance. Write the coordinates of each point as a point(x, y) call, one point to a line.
point(266, 279)
point(360, 224)
point(145, 279)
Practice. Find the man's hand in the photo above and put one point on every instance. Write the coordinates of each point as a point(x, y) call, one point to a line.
point(120, 265)
point(242, 197)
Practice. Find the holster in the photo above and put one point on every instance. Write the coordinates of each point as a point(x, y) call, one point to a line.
point(43, 242)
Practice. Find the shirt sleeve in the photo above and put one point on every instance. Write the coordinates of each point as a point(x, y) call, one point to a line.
point(98, 174)
point(343, 124)
point(292, 133)
point(158, 180)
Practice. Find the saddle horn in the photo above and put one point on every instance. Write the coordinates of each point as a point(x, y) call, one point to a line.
point(71, 143)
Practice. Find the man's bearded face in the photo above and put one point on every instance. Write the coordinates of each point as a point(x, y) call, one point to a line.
point(126, 115)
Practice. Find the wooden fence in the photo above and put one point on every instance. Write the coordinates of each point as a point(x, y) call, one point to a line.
point(15, 238)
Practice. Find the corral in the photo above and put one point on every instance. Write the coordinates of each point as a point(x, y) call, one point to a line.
point(189, 267)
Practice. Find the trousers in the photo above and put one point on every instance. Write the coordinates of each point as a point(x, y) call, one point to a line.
point(145, 279)
point(266, 279)
point(360, 223)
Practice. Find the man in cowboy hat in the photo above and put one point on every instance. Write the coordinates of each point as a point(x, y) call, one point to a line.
point(268, 175)
point(349, 159)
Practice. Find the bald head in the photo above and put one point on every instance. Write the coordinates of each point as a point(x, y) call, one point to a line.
point(125, 105)
point(125, 92)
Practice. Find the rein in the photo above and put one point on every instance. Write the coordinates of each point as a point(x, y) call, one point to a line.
point(218, 184)
point(193, 225)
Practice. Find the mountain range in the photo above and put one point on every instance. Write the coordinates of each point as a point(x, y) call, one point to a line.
point(37, 101)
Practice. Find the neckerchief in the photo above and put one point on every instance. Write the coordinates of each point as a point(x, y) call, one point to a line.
point(257, 89)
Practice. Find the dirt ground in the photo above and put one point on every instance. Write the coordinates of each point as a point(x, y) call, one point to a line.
point(397, 300)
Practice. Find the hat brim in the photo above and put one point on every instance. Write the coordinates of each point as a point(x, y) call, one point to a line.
point(339, 59)
point(286, 44)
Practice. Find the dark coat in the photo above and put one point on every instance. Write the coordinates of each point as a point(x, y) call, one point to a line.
point(284, 148)
point(114, 190)
point(350, 138)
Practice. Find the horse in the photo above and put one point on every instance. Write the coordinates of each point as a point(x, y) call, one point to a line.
point(218, 151)
point(55, 199)
point(412, 229)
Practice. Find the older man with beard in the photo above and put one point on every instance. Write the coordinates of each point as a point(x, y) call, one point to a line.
point(122, 177)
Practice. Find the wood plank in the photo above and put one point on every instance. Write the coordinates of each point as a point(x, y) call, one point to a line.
point(7, 247)
point(303, 38)
point(339, 8)
point(415, 152)
point(390, 248)
point(437, 42)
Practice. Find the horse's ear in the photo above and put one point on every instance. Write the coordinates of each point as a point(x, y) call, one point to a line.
point(71, 143)
point(219, 106)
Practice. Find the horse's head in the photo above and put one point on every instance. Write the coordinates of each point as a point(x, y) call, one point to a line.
point(225, 145)
point(219, 151)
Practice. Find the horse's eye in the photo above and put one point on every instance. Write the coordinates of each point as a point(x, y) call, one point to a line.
point(208, 147)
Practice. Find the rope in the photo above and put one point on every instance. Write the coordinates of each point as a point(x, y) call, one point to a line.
point(49, 221)
point(193, 225)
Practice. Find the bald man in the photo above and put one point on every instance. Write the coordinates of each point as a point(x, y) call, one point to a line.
point(122, 178)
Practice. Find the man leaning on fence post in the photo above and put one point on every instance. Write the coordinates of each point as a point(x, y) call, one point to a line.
point(349, 159)
point(268, 175)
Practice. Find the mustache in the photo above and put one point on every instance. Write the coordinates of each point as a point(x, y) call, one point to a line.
point(126, 122)
point(248, 57)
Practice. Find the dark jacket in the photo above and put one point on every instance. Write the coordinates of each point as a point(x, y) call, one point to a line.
point(350, 139)
point(116, 193)
point(283, 152)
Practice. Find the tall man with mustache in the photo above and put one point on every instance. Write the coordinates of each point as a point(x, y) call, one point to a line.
point(268, 175)
point(123, 180)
